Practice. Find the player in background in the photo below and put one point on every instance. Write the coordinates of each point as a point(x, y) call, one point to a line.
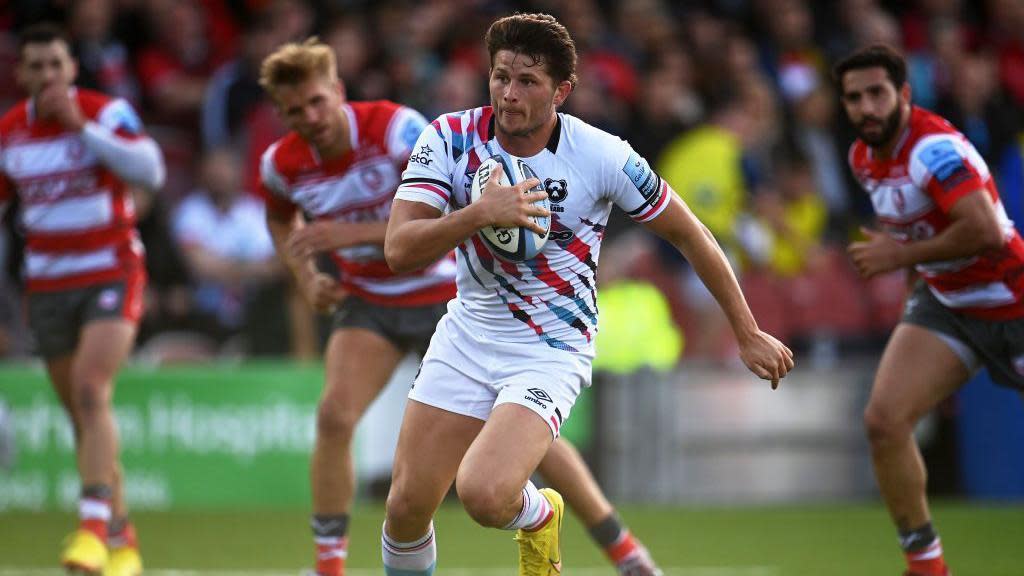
point(341, 164)
point(508, 360)
point(69, 155)
point(941, 217)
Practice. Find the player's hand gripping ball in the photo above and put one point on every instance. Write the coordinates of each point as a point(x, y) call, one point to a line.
point(514, 244)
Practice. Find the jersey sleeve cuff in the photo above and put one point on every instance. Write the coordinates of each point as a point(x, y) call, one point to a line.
point(654, 205)
point(433, 192)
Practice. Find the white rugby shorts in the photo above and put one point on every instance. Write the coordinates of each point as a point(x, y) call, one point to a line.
point(466, 373)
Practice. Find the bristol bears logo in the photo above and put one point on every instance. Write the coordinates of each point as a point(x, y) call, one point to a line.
point(556, 190)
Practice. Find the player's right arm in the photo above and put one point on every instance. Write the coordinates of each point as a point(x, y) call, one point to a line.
point(420, 232)
point(947, 170)
point(283, 218)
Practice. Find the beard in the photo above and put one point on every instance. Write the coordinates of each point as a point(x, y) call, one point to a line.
point(521, 131)
point(890, 125)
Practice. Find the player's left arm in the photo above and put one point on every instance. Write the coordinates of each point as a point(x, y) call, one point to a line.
point(117, 137)
point(648, 199)
point(761, 352)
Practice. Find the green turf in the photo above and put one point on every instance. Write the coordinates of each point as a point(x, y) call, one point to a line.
point(787, 541)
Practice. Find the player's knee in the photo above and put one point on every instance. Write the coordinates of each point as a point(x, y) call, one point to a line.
point(485, 502)
point(335, 420)
point(90, 394)
point(403, 507)
point(883, 425)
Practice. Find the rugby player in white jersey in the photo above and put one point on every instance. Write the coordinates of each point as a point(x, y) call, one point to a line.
point(341, 165)
point(509, 358)
point(69, 155)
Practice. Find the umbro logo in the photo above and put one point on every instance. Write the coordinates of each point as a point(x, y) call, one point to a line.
point(539, 394)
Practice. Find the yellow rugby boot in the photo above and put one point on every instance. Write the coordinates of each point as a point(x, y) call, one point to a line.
point(124, 561)
point(540, 551)
point(84, 553)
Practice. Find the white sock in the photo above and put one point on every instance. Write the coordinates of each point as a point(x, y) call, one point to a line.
point(416, 558)
point(536, 510)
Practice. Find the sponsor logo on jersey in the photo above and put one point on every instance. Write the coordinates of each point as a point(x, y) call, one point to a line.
point(422, 156)
point(945, 163)
point(411, 132)
point(641, 175)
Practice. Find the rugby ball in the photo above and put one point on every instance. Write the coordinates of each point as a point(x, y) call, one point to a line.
point(514, 244)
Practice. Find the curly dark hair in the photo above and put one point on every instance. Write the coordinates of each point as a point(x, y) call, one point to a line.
point(877, 56)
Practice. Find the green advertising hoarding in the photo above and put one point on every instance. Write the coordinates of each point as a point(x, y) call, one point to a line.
point(198, 437)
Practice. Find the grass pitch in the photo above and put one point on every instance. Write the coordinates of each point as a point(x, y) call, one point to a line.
point(833, 540)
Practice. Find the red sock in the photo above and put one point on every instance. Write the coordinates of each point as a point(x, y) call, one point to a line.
point(928, 562)
point(124, 536)
point(330, 556)
point(623, 546)
point(94, 516)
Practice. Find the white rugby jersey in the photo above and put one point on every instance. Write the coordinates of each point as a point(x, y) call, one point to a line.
point(358, 187)
point(77, 214)
point(552, 297)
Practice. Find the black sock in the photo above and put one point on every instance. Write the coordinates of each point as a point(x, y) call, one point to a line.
point(917, 539)
point(329, 525)
point(607, 531)
point(97, 492)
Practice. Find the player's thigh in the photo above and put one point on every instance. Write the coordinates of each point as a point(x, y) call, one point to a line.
point(919, 369)
point(507, 450)
point(59, 371)
point(359, 362)
point(110, 316)
point(102, 348)
point(431, 444)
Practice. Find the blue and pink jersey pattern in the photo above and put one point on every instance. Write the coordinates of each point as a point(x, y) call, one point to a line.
point(551, 298)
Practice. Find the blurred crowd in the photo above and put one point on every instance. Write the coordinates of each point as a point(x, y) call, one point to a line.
point(731, 100)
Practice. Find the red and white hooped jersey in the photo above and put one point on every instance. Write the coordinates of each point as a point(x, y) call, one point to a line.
point(913, 192)
point(358, 187)
point(78, 217)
